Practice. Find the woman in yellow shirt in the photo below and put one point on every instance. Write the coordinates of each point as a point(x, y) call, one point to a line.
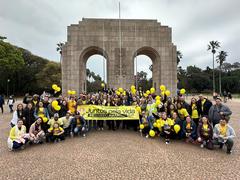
point(205, 133)
point(194, 111)
point(166, 127)
point(18, 137)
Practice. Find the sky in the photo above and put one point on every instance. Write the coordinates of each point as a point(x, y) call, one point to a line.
point(38, 25)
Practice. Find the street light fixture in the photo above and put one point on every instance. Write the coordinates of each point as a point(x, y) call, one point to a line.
point(7, 86)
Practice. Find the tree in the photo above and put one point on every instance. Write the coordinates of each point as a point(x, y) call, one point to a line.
point(50, 74)
point(213, 45)
point(179, 57)
point(221, 57)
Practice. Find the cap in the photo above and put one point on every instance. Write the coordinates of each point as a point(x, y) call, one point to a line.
point(55, 115)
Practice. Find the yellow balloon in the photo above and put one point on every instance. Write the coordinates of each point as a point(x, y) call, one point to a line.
point(133, 87)
point(163, 93)
point(167, 92)
point(147, 92)
point(54, 86)
point(162, 88)
point(158, 125)
point(176, 128)
point(182, 91)
point(152, 90)
point(54, 103)
point(157, 98)
point(158, 121)
point(124, 93)
point(118, 93)
point(134, 91)
point(145, 95)
point(102, 85)
point(69, 92)
point(45, 119)
point(141, 126)
point(120, 90)
point(73, 92)
point(41, 115)
point(158, 102)
point(58, 89)
point(152, 133)
point(57, 108)
point(155, 124)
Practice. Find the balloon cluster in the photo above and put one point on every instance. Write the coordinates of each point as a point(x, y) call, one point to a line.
point(164, 91)
point(70, 92)
point(56, 88)
point(120, 91)
point(55, 105)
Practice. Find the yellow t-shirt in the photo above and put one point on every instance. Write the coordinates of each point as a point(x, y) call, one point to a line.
point(205, 129)
point(194, 112)
point(71, 106)
point(52, 121)
point(223, 130)
point(55, 131)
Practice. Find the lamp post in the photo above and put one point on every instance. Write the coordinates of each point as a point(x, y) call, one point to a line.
point(7, 86)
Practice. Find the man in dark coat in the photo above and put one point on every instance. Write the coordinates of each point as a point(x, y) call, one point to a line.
point(203, 105)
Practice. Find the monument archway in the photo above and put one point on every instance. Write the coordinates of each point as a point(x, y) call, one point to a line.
point(84, 57)
point(156, 63)
point(119, 41)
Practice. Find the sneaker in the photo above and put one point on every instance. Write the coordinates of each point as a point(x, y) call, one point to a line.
point(221, 146)
point(147, 136)
point(202, 146)
point(229, 151)
point(167, 142)
point(84, 135)
point(71, 134)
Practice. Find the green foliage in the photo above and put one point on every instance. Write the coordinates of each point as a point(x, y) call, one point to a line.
point(24, 70)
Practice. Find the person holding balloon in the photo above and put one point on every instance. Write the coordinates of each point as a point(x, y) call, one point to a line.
point(42, 112)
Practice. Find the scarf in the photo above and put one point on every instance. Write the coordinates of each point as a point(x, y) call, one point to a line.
point(223, 130)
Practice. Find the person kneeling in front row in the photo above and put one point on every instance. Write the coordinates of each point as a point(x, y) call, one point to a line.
point(223, 134)
point(18, 137)
point(78, 125)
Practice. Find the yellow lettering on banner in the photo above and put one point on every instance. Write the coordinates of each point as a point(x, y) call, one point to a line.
point(96, 112)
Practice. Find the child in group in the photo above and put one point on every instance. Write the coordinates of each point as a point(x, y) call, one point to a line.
point(56, 133)
point(166, 127)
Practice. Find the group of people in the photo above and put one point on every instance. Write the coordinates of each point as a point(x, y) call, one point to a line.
point(200, 121)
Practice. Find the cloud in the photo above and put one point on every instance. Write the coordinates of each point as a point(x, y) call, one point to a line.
point(38, 25)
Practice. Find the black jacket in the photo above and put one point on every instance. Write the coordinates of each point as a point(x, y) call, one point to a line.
point(206, 106)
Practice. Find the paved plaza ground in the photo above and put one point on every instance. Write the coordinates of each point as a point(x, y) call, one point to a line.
point(119, 155)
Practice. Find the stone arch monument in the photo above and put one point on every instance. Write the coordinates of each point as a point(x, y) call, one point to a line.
point(119, 41)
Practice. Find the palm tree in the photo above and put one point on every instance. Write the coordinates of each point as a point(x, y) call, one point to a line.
point(213, 45)
point(179, 56)
point(221, 57)
point(59, 49)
